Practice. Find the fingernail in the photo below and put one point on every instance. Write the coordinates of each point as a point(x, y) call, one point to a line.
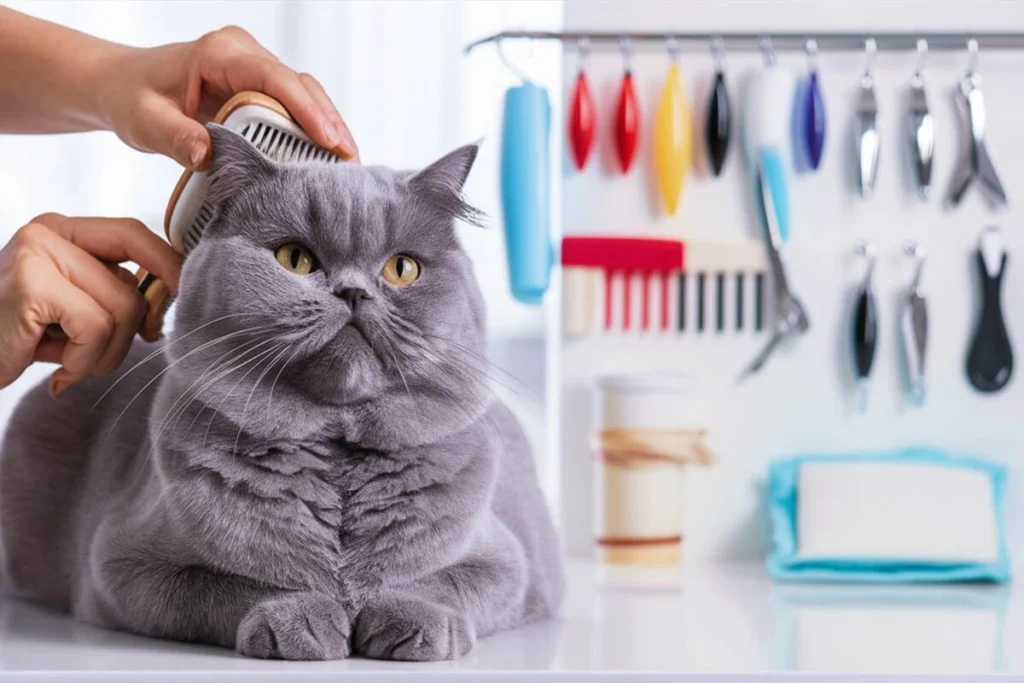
point(332, 134)
point(198, 153)
point(57, 387)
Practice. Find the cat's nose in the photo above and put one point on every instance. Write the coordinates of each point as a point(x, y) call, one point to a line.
point(353, 295)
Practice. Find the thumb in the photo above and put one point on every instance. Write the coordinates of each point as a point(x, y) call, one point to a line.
point(171, 133)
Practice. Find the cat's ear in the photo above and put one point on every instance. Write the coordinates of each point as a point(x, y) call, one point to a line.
point(234, 164)
point(440, 184)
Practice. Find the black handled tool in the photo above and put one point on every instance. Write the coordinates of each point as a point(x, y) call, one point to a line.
point(865, 328)
point(990, 362)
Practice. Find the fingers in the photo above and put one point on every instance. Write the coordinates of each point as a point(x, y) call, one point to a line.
point(124, 275)
point(49, 350)
point(58, 271)
point(319, 95)
point(283, 84)
point(117, 240)
point(233, 61)
point(89, 329)
point(121, 302)
point(168, 131)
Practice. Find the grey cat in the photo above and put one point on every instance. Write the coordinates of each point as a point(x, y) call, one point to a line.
point(312, 466)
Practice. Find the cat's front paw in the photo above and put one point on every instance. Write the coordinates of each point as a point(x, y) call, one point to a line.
point(411, 630)
point(302, 626)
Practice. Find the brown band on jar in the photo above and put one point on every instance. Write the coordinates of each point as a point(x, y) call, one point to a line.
point(627, 542)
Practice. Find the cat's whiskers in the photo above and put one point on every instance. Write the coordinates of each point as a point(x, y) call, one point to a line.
point(490, 366)
point(182, 403)
point(245, 410)
point(170, 413)
point(398, 366)
point(160, 350)
point(216, 411)
point(270, 396)
point(243, 349)
point(411, 329)
point(210, 369)
point(533, 401)
point(485, 413)
point(252, 330)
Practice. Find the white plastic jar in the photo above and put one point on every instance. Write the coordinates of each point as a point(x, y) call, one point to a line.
point(642, 444)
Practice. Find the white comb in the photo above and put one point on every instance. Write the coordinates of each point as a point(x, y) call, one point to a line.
point(264, 123)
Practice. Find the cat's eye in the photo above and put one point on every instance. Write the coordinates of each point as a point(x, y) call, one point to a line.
point(401, 270)
point(295, 258)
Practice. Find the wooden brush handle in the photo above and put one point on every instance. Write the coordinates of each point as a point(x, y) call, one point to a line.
point(158, 299)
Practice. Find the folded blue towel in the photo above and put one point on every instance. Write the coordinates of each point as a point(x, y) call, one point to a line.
point(918, 515)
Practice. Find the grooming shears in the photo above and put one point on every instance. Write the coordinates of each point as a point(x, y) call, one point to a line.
point(974, 159)
point(790, 318)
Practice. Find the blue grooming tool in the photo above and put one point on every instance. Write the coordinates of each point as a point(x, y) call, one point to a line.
point(525, 188)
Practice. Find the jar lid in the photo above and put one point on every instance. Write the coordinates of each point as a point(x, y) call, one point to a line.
point(653, 381)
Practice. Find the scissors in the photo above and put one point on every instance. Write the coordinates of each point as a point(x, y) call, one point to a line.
point(790, 318)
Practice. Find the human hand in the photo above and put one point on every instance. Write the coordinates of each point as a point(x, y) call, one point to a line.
point(158, 99)
point(64, 271)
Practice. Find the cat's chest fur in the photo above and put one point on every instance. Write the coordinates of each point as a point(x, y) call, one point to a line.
point(297, 514)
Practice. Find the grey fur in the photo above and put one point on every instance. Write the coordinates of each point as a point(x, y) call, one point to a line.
point(301, 472)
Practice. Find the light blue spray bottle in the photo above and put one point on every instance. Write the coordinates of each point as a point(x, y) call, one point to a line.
point(525, 190)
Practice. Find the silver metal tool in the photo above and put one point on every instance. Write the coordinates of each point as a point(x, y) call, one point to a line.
point(914, 327)
point(790, 318)
point(922, 126)
point(974, 162)
point(868, 142)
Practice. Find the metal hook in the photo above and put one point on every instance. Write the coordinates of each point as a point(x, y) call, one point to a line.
point(672, 46)
point(767, 51)
point(508, 63)
point(583, 50)
point(922, 56)
point(626, 49)
point(870, 54)
point(915, 251)
point(811, 47)
point(869, 252)
point(972, 56)
point(718, 53)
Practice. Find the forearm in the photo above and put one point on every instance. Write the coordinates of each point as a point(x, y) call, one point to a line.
point(51, 76)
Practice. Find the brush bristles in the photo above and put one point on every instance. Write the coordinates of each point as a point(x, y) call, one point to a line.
point(280, 146)
point(276, 145)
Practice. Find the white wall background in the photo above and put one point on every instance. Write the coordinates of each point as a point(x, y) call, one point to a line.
point(802, 400)
point(397, 73)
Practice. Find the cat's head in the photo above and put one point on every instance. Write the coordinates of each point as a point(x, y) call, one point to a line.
point(341, 286)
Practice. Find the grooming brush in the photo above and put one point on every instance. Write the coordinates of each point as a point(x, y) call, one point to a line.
point(698, 284)
point(265, 123)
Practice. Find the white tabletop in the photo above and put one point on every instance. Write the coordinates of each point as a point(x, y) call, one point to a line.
point(728, 621)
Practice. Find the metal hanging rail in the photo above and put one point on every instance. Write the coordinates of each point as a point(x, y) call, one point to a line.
point(750, 41)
